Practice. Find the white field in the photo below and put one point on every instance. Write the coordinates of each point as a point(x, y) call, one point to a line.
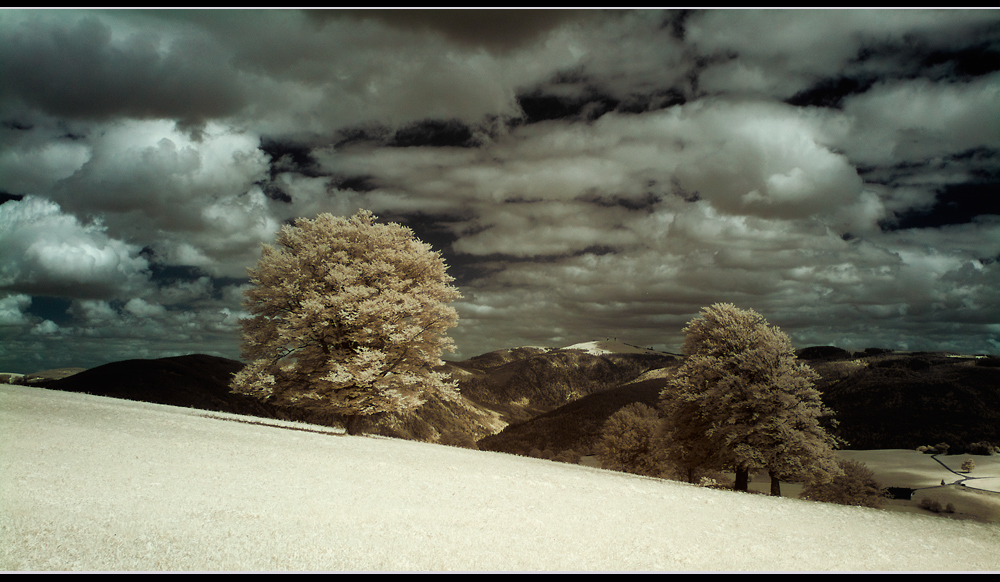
point(93, 483)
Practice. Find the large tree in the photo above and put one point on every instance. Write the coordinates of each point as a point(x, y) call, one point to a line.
point(347, 316)
point(742, 399)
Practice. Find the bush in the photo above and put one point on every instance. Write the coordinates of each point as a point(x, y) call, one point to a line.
point(968, 465)
point(628, 441)
point(981, 448)
point(715, 480)
point(856, 486)
point(455, 438)
point(569, 456)
point(931, 505)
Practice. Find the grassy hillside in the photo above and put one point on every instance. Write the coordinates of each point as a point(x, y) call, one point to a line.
point(496, 388)
point(523, 399)
point(194, 381)
point(536, 383)
point(572, 427)
point(99, 484)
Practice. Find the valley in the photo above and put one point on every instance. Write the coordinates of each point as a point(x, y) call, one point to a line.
point(551, 403)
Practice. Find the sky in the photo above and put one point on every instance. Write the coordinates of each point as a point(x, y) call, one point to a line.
point(586, 174)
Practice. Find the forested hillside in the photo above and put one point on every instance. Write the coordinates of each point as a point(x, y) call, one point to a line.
point(905, 401)
point(526, 399)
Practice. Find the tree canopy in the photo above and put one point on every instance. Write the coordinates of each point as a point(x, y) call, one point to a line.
point(628, 441)
point(741, 399)
point(347, 316)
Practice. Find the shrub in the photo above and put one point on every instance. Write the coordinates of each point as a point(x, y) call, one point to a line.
point(628, 441)
point(455, 438)
point(931, 505)
point(856, 486)
point(981, 448)
point(715, 480)
point(935, 506)
point(968, 465)
point(569, 456)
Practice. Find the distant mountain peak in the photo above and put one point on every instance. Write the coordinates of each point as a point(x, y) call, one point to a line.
point(613, 346)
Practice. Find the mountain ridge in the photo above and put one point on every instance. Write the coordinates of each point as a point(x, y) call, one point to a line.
point(531, 398)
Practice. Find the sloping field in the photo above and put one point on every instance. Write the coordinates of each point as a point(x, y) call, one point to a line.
point(92, 483)
point(906, 468)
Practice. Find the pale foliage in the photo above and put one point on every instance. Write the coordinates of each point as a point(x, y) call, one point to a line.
point(742, 399)
point(628, 441)
point(347, 316)
point(856, 485)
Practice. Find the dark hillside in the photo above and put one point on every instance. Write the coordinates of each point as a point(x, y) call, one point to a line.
point(574, 426)
point(524, 388)
point(827, 353)
point(511, 386)
point(194, 381)
point(497, 388)
point(913, 400)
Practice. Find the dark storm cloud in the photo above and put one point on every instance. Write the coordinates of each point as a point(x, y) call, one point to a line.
point(78, 69)
point(495, 30)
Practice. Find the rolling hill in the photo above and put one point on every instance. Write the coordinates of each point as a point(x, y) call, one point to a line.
point(100, 484)
point(522, 399)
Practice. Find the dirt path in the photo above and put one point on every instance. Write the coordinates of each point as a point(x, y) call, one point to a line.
point(964, 476)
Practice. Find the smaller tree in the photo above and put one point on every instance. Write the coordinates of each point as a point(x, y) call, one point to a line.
point(855, 486)
point(683, 437)
point(742, 399)
point(968, 465)
point(628, 441)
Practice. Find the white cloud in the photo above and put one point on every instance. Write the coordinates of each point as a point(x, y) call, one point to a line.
point(141, 308)
point(44, 251)
point(12, 308)
point(781, 52)
point(762, 159)
point(46, 327)
point(914, 120)
point(91, 312)
point(193, 202)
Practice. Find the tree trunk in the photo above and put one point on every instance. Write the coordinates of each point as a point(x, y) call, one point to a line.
point(775, 485)
point(353, 424)
point(742, 479)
